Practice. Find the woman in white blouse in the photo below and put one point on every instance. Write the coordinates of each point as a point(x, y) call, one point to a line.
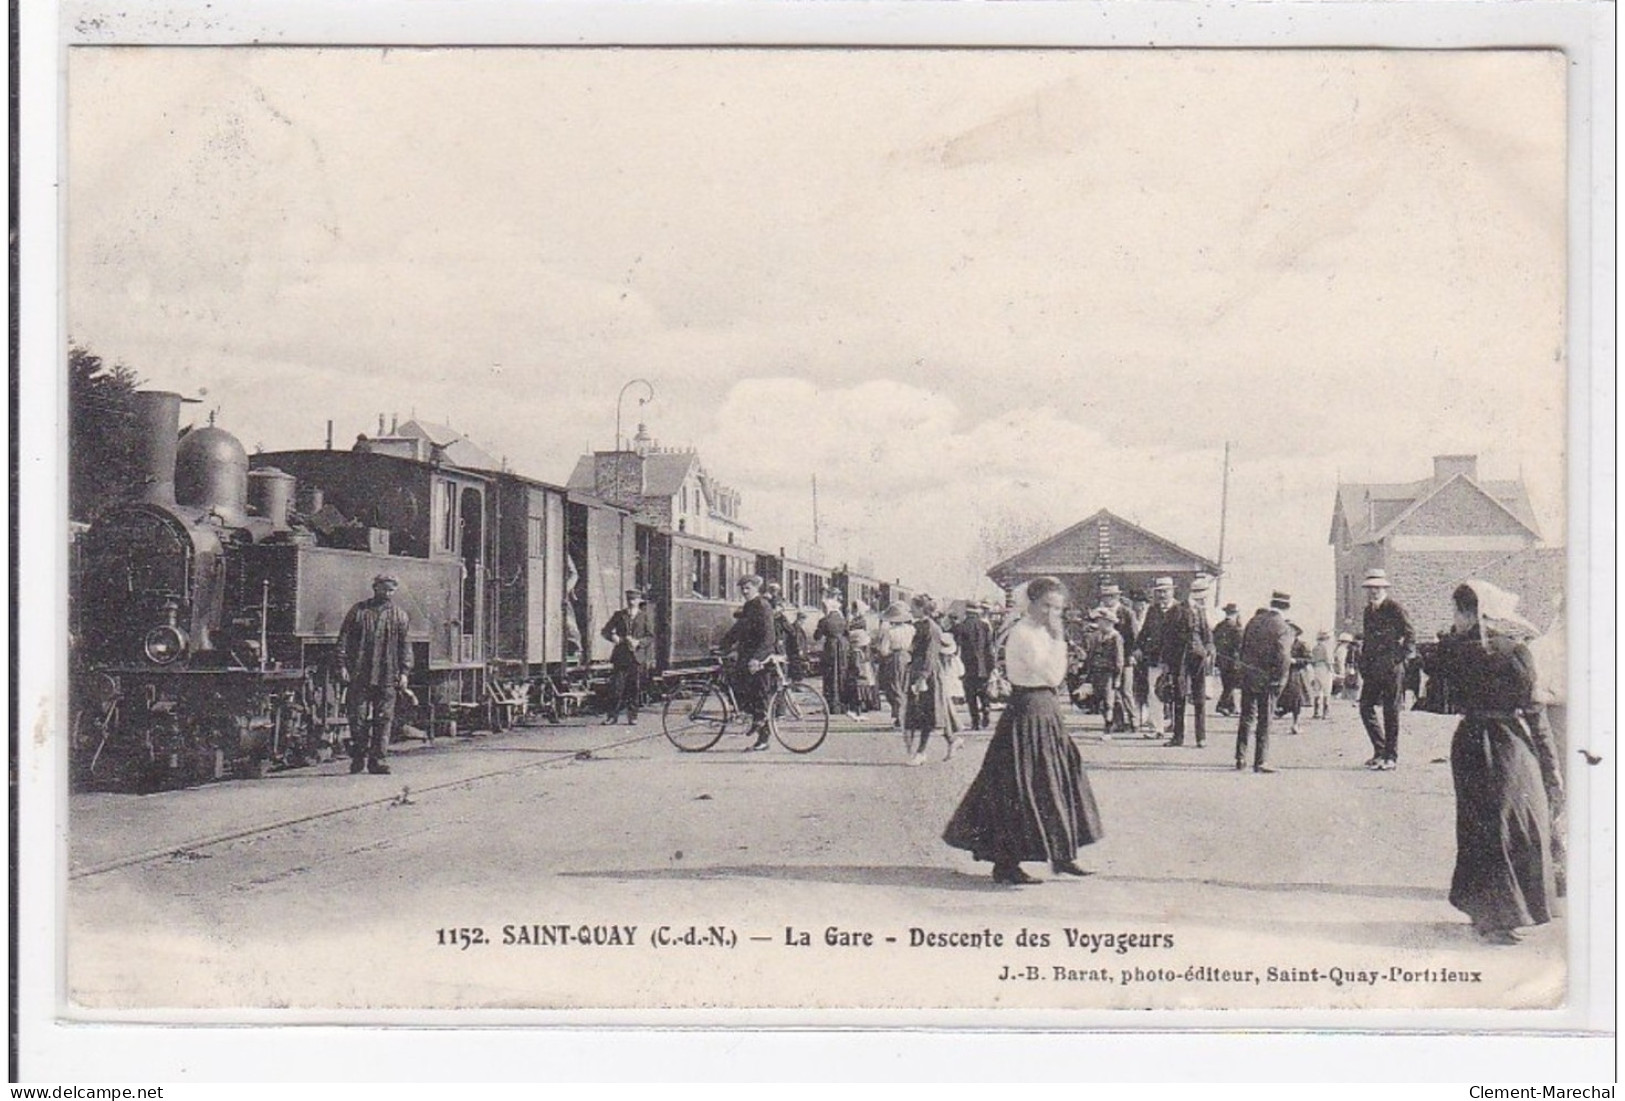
point(1031, 800)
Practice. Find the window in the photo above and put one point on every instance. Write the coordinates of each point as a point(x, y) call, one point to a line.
point(443, 515)
point(536, 538)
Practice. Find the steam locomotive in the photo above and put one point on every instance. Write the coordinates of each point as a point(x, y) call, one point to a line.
point(205, 612)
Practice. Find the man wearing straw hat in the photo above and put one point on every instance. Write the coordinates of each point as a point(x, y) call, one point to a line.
point(1390, 641)
point(1149, 649)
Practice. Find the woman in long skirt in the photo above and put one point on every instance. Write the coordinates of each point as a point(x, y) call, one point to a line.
point(831, 631)
point(1031, 800)
point(1296, 692)
point(1504, 868)
point(929, 707)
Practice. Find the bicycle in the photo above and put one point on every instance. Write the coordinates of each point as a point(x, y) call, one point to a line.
point(797, 715)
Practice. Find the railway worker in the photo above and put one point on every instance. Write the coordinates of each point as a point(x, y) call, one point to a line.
point(632, 630)
point(375, 656)
point(975, 639)
point(1226, 649)
point(1389, 643)
point(1265, 661)
point(752, 640)
point(1187, 652)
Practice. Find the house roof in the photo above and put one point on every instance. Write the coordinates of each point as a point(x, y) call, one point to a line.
point(581, 479)
point(1373, 510)
point(665, 471)
point(457, 448)
point(1104, 541)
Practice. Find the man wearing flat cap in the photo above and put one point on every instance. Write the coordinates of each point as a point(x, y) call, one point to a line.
point(1226, 649)
point(375, 657)
point(1389, 642)
point(632, 630)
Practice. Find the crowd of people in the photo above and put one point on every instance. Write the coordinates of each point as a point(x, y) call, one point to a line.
point(1143, 665)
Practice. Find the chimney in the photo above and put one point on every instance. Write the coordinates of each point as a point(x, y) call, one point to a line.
point(1446, 467)
point(380, 424)
point(159, 412)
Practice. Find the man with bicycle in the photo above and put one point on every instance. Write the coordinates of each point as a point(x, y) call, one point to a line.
point(752, 640)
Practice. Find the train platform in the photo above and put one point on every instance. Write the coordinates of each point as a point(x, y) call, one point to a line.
point(111, 829)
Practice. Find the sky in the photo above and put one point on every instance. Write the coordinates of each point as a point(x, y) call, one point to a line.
point(980, 294)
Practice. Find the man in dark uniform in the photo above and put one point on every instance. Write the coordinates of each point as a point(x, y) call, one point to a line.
point(1389, 642)
point(632, 630)
point(752, 640)
point(375, 656)
point(1264, 662)
point(1226, 647)
point(975, 639)
point(1187, 650)
point(1148, 652)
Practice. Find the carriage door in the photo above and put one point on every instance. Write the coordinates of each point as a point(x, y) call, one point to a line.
point(471, 521)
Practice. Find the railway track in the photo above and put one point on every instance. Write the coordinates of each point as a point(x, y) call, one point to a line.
point(564, 757)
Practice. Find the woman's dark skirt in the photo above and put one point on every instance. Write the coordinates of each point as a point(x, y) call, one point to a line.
point(1295, 694)
point(1031, 800)
point(1504, 870)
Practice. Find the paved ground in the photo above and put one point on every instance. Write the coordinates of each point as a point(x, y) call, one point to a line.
point(317, 889)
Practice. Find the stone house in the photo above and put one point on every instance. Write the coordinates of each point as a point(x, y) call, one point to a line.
point(666, 487)
point(1432, 534)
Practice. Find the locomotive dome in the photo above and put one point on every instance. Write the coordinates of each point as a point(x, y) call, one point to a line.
point(211, 472)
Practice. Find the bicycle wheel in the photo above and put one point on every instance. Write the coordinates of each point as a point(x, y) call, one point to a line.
point(799, 718)
point(695, 722)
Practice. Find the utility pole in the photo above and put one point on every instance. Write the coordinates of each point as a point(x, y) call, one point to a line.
point(1224, 513)
point(815, 509)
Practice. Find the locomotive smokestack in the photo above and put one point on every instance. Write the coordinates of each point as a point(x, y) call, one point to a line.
point(160, 416)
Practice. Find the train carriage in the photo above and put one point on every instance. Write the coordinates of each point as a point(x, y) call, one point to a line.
point(206, 610)
point(696, 589)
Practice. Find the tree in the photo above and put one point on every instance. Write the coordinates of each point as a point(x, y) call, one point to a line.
point(104, 434)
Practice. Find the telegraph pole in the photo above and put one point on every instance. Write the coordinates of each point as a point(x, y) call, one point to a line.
point(1224, 513)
